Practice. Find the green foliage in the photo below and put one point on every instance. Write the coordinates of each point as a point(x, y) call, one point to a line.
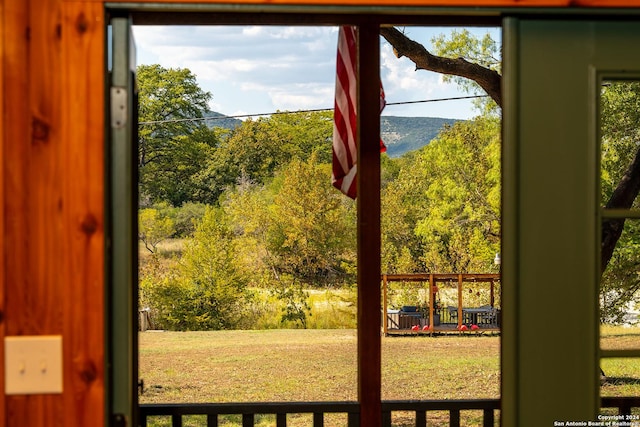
point(402, 208)
point(312, 231)
point(620, 132)
point(171, 153)
point(333, 308)
point(480, 50)
point(296, 307)
point(255, 150)
point(620, 285)
point(248, 209)
point(461, 228)
point(187, 217)
point(207, 291)
point(154, 227)
point(462, 44)
point(620, 115)
point(442, 213)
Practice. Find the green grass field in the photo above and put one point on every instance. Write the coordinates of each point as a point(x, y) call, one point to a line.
point(320, 364)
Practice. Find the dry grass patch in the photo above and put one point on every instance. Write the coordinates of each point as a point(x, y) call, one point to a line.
point(310, 365)
point(320, 365)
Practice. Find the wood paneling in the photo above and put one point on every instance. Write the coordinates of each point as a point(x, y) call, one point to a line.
point(21, 296)
point(52, 176)
point(83, 103)
point(34, 236)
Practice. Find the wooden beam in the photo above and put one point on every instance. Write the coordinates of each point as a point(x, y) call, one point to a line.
point(431, 302)
point(368, 201)
point(443, 277)
point(459, 300)
point(426, 3)
point(492, 297)
point(385, 328)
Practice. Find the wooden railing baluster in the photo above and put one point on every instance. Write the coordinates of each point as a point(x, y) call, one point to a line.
point(454, 417)
point(318, 419)
point(386, 418)
point(354, 419)
point(421, 408)
point(281, 420)
point(488, 418)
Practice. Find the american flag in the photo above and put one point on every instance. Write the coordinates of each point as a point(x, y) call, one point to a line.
point(345, 148)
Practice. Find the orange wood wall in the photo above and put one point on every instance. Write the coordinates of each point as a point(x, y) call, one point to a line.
point(51, 191)
point(52, 197)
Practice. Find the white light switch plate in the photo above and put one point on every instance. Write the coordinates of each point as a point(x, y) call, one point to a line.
point(33, 364)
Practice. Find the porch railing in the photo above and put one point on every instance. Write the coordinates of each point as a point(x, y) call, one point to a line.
point(248, 411)
point(420, 409)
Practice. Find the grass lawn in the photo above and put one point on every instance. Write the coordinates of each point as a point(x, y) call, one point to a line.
point(623, 374)
point(320, 365)
point(310, 365)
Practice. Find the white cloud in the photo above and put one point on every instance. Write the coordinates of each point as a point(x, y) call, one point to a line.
point(267, 68)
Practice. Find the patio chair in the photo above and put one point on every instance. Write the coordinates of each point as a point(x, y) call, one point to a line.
point(453, 313)
point(490, 317)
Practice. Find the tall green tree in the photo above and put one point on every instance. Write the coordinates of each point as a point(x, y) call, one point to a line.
point(313, 226)
point(461, 228)
point(154, 227)
point(172, 148)
point(207, 290)
point(257, 148)
point(403, 206)
point(442, 212)
point(249, 209)
point(489, 79)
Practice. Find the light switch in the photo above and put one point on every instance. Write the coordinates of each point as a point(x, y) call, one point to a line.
point(33, 364)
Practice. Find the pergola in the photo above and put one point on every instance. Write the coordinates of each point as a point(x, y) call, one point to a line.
point(433, 280)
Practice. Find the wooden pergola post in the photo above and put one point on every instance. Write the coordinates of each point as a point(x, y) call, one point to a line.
point(385, 328)
point(459, 300)
point(431, 303)
point(492, 297)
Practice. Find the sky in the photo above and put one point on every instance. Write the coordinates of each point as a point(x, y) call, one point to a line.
point(263, 69)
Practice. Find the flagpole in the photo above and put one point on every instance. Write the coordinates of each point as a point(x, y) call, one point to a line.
point(368, 205)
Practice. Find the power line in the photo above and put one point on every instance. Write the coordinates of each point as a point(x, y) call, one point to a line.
point(199, 119)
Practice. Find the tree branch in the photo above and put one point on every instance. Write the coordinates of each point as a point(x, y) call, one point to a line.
point(489, 80)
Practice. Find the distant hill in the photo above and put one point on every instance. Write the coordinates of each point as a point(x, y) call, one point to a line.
point(403, 134)
point(400, 134)
point(221, 121)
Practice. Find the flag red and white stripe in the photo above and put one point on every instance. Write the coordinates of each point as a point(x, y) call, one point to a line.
point(345, 148)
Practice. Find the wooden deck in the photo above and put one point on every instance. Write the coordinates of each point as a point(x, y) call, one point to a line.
point(410, 320)
point(474, 320)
